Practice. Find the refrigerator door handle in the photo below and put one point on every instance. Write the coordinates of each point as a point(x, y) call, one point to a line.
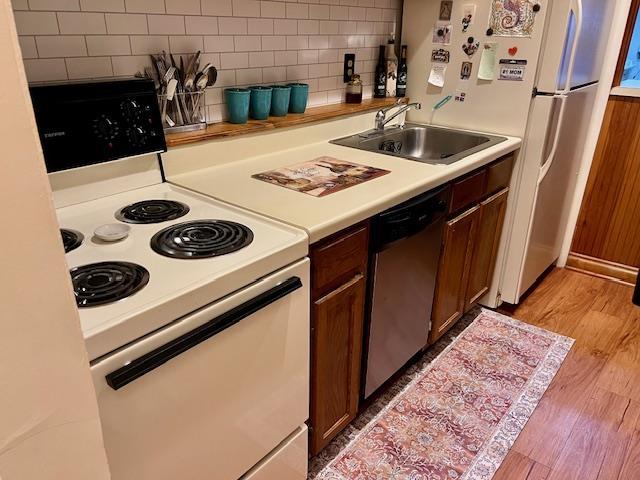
point(544, 169)
point(576, 9)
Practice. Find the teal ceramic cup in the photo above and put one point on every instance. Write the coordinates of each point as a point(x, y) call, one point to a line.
point(237, 104)
point(260, 104)
point(299, 96)
point(280, 96)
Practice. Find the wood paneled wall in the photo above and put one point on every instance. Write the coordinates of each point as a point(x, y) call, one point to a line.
point(609, 223)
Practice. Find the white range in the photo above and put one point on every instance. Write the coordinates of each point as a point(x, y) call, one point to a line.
point(196, 324)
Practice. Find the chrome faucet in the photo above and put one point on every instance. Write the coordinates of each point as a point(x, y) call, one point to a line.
point(381, 116)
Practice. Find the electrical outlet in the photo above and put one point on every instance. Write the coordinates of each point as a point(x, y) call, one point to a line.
point(349, 66)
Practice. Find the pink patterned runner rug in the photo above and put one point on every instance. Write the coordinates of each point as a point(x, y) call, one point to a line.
point(458, 418)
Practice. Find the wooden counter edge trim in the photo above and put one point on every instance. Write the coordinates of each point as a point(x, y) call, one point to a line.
point(313, 114)
point(597, 267)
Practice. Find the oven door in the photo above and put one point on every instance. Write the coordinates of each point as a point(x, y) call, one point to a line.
point(213, 393)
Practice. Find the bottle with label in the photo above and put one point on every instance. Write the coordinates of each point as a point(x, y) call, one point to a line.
point(380, 80)
point(354, 90)
point(401, 86)
point(392, 67)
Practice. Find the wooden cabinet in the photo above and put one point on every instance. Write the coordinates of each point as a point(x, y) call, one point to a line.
point(455, 263)
point(339, 268)
point(491, 218)
point(470, 244)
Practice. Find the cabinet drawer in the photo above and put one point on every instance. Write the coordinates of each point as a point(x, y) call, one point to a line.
point(339, 259)
point(499, 174)
point(467, 191)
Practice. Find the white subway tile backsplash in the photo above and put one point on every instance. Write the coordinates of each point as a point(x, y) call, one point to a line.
point(61, 46)
point(232, 26)
point(249, 41)
point(183, 7)
point(186, 44)
point(298, 72)
point(100, 45)
point(141, 44)
point(54, 5)
point(320, 12)
point(249, 76)
point(20, 4)
point(218, 43)
point(28, 47)
point(226, 78)
point(234, 60)
point(297, 10)
point(45, 69)
point(277, 42)
point(145, 6)
point(201, 25)
point(166, 24)
point(318, 41)
point(76, 23)
point(308, 27)
point(246, 8)
point(272, 9)
point(307, 56)
point(36, 23)
point(285, 27)
point(218, 8)
point(102, 5)
point(274, 74)
point(289, 57)
point(298, 42)
point(89, 67)
point(261, 59)
point(126, 23)
point(129, 65)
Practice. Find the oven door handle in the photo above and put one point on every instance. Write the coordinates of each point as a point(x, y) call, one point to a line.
point(157, 357)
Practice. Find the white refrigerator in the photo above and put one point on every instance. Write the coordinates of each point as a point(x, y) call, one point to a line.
point(550, 108)
point(566, 86)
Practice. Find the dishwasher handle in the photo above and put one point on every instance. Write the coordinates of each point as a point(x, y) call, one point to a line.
point(159, 356)
point(410, 218)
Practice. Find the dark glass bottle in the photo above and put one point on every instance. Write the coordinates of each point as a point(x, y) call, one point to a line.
point(401, 86)
point(380, 79)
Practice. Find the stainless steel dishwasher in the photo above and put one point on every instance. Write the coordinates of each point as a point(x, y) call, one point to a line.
point(406, 242)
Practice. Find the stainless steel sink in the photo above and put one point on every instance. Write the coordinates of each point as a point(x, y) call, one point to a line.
point(422, 143)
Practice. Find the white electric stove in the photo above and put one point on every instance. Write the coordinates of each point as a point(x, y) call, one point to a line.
point(196, 322)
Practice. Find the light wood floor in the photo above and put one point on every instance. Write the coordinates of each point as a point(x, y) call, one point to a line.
point(587, 425)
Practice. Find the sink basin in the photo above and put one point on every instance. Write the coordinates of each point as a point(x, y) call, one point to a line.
point(422, 143)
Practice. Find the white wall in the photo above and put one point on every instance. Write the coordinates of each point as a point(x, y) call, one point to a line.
point(621, 12)
point(49, 425)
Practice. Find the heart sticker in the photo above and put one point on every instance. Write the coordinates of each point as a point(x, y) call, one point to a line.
point(513, 51)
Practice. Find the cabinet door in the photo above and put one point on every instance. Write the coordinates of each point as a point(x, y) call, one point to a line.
point(336, 357)
point(492, 212)
point(453, 271)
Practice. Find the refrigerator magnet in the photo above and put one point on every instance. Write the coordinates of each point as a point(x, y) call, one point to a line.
point(512, 70)
point(437, 74)
point(465, 71)
point(468, 12)
point(442, 34)
point(440, 55)
point(487, 70)
point(446, 6)
point(471, 47)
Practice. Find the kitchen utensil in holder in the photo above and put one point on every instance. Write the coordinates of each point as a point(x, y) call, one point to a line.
point(183, 112)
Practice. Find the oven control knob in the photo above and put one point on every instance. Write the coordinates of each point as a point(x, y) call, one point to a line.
point(137, 136)
point(105, 128)
point(131, 109)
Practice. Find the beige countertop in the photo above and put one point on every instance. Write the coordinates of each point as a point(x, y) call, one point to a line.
point(223, 169)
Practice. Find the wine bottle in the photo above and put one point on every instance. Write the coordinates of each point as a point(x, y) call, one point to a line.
point(401, 86)
point(392, 67)
point(380, 80)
